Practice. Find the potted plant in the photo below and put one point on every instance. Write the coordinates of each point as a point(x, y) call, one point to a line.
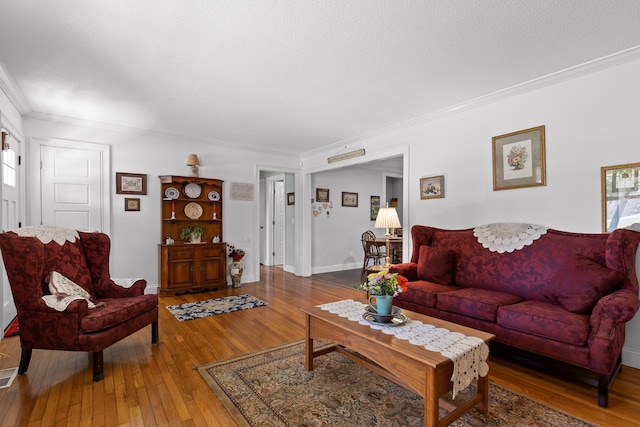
point(192, 234)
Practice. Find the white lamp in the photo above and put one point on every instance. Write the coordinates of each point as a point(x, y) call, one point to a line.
point(387, 218)
point(194, 163)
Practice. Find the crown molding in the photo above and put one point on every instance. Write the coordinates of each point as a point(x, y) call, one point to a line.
point(14, 94)
point(571, 73)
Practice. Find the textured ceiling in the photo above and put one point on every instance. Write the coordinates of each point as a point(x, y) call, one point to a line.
point(292, 76)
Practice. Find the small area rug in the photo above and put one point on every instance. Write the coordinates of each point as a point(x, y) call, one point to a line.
point(211, 307)
point(272, 388)
point(13, 329)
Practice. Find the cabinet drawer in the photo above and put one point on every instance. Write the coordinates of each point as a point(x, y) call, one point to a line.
point(178, 252)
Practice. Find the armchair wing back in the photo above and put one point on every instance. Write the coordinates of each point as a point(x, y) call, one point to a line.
point(31, 254)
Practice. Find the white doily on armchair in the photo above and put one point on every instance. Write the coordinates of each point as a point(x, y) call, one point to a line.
point(47, 233)
point(507, 237)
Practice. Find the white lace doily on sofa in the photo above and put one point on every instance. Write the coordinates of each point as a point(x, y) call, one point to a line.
point(507, 237)
point(47, 233)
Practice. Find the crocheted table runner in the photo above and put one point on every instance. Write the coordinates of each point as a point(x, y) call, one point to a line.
point(507, 237)
point(469, 354)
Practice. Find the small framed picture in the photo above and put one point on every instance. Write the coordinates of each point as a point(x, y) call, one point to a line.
point(131, 204)
point(375, 207)
point(131, 183)
point(350, 199)
point(620, 196)
point(322, 195)
point(291, 199)
point(519, 159)
point(432, 187)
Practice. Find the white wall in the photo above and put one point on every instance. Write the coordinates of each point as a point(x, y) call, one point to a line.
point(135, 235)
point(337, 229)
point(590, 122)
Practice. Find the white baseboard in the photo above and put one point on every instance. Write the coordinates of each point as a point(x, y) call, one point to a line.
point(631, 357)
point(337, 267)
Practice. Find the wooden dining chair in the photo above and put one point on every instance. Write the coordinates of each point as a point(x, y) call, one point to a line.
point(373, 253)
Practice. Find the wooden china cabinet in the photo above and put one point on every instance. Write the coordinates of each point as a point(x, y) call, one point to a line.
point(191, 267)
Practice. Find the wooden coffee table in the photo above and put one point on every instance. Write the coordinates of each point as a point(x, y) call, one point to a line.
point(424, 372)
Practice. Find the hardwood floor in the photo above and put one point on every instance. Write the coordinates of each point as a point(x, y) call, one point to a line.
point(156, 385)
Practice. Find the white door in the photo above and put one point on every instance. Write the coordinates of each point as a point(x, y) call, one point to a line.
point(278, 229)
point(10, 217)
point(71, 188)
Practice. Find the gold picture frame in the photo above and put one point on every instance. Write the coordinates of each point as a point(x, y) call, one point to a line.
point(432, 187)
point(519, 159)
point(620, 196)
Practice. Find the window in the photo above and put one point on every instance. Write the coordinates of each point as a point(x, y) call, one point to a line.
point(9, 167)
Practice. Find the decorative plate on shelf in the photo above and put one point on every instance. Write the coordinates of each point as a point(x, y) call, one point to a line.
point(192, 190)
point(193, 210)
point(214, 196)
point(172, 193)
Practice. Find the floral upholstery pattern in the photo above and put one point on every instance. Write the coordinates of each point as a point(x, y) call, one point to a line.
point(119, 311)
point(566, 296)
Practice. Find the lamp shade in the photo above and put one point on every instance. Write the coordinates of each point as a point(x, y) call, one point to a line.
point(193, 160)
point(387, 218)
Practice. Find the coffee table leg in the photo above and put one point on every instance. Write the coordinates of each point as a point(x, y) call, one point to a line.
point(431, 401)
point(308, 345)
point(483, 387)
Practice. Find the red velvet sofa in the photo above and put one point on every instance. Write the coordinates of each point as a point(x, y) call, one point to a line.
point(565, 296)
point(31, 253)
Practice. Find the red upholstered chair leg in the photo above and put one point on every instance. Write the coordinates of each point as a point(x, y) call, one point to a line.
point(25, 359)
point(98, 366)
point(154, 332)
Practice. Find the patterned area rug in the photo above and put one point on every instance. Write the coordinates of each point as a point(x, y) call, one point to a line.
point(272, 388)
point(211, 307)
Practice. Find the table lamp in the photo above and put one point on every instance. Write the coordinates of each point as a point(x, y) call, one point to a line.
point(387, 218)
point(194, 163)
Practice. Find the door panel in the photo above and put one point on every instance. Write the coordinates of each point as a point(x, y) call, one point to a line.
point(71, 188)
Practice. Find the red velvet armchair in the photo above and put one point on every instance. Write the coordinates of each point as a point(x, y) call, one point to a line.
point(31, 254)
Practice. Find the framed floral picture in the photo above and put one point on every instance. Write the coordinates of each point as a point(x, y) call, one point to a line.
point(519, 159)
point(432, 187)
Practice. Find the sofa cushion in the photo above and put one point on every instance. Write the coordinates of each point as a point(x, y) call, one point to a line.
point(580, 284)
point(113, 311)
point(545, 320)
point(423, 292)
point(436, 264)
point(478, 303)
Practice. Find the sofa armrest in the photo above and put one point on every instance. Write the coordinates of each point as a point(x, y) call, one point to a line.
point(109, 289)
point(408, 270)
point(617, 307)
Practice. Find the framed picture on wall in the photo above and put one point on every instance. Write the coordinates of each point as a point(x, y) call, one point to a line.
point(375, 207)
point(291, 199)
point(620, 195)
point(131, 204)
point(322, 195)
point(131, 183)
point(519, 159)
point(350, 199)
point(432, 187)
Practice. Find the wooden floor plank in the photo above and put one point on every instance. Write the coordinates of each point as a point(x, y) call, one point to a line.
point(156, 385)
